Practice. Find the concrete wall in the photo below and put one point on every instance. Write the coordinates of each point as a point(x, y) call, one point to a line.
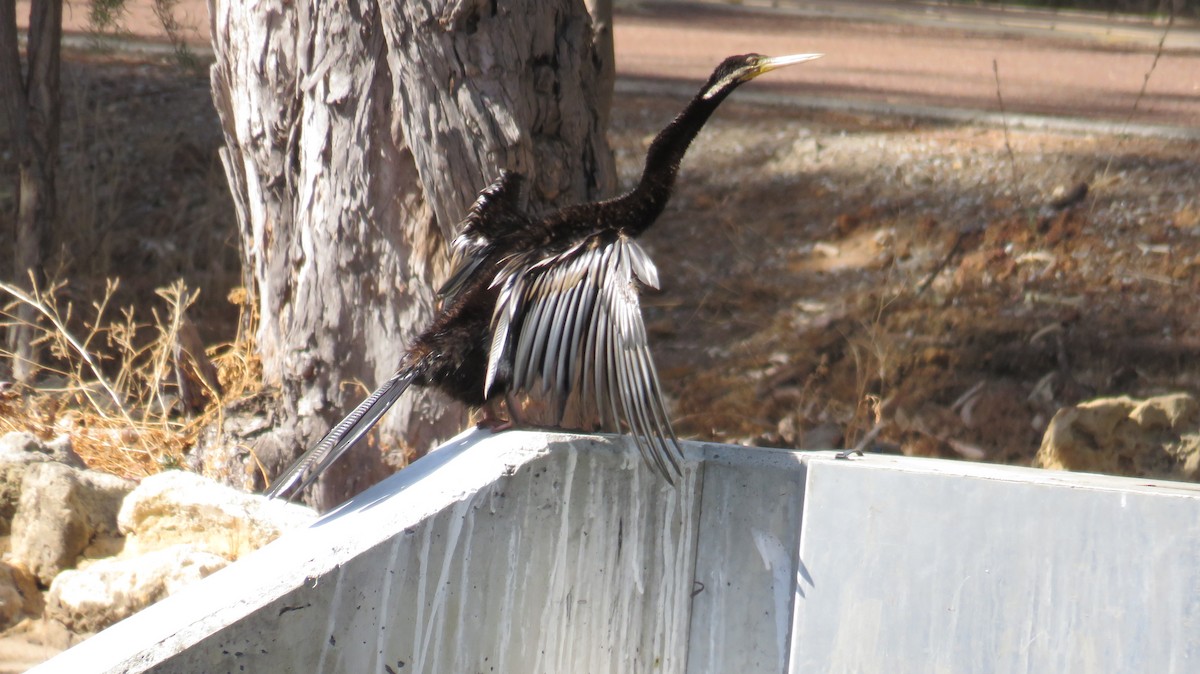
point(542, 553)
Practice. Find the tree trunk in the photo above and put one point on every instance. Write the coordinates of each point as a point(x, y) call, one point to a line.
point(31, 103)
point(601, 12)
point(356, 136)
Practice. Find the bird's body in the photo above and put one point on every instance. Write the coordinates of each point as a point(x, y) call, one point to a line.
point(547, 306)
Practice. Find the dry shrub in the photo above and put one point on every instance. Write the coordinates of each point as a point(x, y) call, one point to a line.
point(115, 384)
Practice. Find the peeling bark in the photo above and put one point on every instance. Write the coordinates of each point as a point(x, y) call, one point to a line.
point(356, 134)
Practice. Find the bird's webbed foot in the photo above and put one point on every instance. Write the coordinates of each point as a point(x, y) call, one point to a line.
point(492, 419)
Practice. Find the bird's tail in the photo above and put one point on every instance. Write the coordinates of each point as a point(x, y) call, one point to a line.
point(343, 436)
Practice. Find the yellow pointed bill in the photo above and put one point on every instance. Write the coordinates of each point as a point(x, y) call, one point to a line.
point(778, 62)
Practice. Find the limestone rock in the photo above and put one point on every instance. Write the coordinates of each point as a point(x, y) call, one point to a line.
point(109, 590)
point(23, 447)
point(1157, 437)
point(19, 450)
point(62, 511)
point(180, 507)
point(19, 595)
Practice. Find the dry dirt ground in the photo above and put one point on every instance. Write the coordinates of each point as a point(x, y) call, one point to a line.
point(824, 275)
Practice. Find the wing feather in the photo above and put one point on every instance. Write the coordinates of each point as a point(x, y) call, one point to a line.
point(506, 308)
point(574, 323)
point(496, 211)
point(561, 370)
point(587, 302)
point(554, 372)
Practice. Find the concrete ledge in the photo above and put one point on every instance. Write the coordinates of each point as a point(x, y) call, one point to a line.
point(535, 552)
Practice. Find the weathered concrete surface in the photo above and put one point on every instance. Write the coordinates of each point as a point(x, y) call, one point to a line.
point(935, 566)
point(542, 553)
point(746, 570)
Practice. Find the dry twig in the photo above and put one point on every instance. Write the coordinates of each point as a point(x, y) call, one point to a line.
point(50, 312)
point(1012, 159)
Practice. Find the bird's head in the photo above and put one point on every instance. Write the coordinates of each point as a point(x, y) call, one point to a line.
point(739, 69)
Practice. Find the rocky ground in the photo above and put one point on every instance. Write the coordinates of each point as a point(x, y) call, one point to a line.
point(84, 549)
point(829, 280)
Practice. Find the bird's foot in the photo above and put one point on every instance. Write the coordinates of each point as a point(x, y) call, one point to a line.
point(847, 453)
point(491, 420)
point(494, 425)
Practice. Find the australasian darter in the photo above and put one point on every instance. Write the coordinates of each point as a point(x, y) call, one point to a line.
point(547, 306)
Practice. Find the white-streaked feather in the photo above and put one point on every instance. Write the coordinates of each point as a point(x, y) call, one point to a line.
point(570, 326)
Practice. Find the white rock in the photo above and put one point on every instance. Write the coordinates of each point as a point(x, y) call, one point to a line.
point(109, 590)
point(1157, 437)
point(62, 511)
point(180, 507)
point(18, 451)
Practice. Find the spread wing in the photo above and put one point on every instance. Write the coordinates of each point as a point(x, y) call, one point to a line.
point(496, 212)
point(570, 325)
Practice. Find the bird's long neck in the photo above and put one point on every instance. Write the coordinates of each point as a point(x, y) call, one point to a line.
point(662, 161)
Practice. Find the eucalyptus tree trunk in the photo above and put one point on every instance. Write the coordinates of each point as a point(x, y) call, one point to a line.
point(356, 136)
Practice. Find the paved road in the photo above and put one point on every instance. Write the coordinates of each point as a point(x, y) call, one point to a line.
point(917, 57)
point(903, 65)
point(1014, 20)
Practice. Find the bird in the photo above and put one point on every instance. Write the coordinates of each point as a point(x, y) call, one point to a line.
point(546, 307)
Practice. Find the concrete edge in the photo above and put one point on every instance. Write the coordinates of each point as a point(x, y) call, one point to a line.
point(1006, 473)
point(789, 459)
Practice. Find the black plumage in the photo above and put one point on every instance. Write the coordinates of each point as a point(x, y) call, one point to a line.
point(547, 307)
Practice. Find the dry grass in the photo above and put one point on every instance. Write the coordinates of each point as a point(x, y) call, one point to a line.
point(114, 384)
